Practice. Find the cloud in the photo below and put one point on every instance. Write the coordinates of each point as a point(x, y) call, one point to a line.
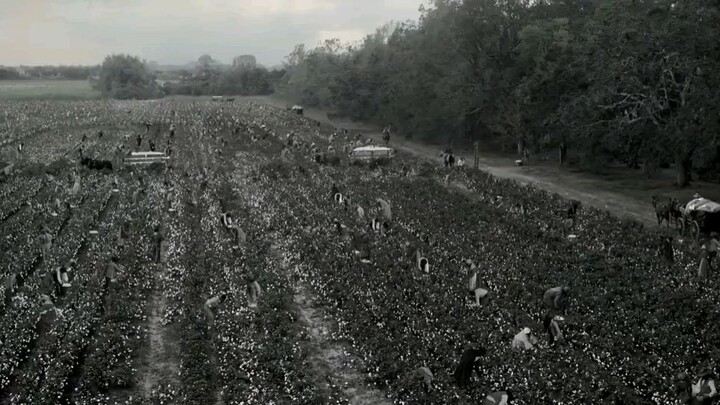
point(177, 31)
point(264, 7)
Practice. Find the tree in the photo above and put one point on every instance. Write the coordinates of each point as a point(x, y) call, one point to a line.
point(244, 62)
point(205, 61)
point(125, 77)
point(9, 74)
point(296, 57)
point(659, 85)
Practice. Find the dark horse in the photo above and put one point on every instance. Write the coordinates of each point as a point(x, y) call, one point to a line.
point(448, 158)
point(666, 209)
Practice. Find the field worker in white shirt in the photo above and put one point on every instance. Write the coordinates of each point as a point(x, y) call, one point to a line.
point(524, 340)
point(704, 390)
point(498, 398)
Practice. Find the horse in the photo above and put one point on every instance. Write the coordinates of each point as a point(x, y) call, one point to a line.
point(667, 209)
point(448, 158)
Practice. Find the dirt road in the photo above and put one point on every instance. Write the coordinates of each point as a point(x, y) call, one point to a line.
point(622, 192)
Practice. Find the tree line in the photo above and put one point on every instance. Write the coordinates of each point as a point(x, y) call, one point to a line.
point(128, 77)
point(599, 81)
point(212, 78)
point(48, 72)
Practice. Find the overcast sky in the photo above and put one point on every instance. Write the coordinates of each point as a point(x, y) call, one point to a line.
point(38, 32)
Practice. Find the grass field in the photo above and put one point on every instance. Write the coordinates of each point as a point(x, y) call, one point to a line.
point(46, 89)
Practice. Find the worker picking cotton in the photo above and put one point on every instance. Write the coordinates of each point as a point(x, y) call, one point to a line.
point(478, 289)
point(710, 248)
point(253, 292)
point(704, 391)
point(666, 250)
point(425, 376)
point(46, 241)
point(556, 298)
point(47, 316)
point(385, 209)
point(9, 286)
point(211, 306)
point(123, 234)
point(552, 327)
point(61, 277)
point(360, 212)
point(469, 362)
point(111, 271)
point(499, 398)
point(157, 241)
point(524, 340)
point(423, 264)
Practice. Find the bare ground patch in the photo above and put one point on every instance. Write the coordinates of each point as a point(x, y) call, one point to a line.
point(333, 360)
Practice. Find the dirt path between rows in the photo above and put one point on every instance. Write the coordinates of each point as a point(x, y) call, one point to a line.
point(161, 368)
point(334, 366)
point(624, 193)
point(156, 343)
point(331, 359)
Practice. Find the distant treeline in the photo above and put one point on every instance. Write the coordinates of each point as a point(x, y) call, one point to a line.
point(128, 77)
point(209, 80)
point(48, 72)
